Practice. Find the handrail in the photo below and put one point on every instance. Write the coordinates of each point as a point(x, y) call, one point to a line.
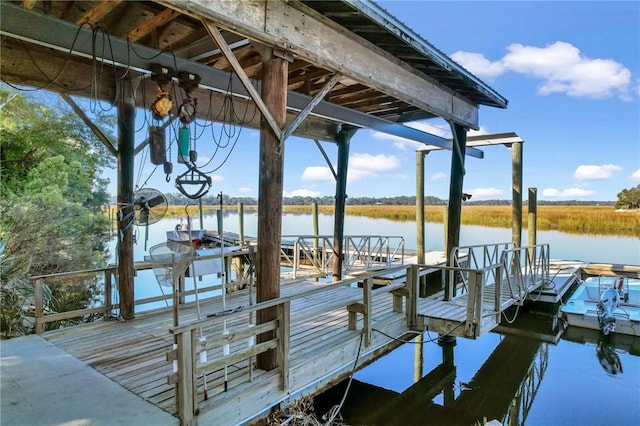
point(317, 251)
point(478, 280)
point(475, 257)
point(192, 354)
point(525, 268)
point(42, 318)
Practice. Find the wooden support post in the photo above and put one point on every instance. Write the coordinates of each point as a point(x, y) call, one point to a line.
point(532, 218)
point(186, 388)
point(420, 205)
point(417, 358)
point(412, 298)
point(368, 287)
point(354, 309)
point(516, 177)
point(284, 327)
point(341, 197)
point(39, 301)
point(274, 95)
point(398, 298)
point(241, 223)
point(126, 143)
point(455, 195)
point(175, 281)
point(108, 290)
point(474, 304)
point(316, 232)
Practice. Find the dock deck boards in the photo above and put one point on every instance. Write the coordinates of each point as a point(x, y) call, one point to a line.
point(449, 317)
point(322, 347)
point(133, 353)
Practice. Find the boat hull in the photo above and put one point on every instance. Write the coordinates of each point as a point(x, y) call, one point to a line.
point(581, 310)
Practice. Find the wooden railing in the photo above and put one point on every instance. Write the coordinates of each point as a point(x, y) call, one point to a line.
point(478, 280)
point(105, 277)
point(211, 346)
point(192, 347)
point(42, 310)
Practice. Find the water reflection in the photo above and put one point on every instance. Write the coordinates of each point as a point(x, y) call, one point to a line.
point(607, 356)
point(503, 388)
point(536, 372)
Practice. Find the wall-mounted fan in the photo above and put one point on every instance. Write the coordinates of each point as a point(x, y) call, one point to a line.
point(149, 206)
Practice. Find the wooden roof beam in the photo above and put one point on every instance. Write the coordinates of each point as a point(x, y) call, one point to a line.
point(52, 33)
point(325, 44)
point(148, 27)
point(98, 12)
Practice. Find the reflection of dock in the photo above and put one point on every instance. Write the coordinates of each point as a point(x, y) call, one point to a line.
point(503, 388)
point(624, 342)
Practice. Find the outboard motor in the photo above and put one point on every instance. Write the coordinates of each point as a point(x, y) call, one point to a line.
point(607, 305)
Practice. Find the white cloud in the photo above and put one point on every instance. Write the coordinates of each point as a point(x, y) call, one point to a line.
point(561, 67)
point(477, 64)
point(364, 165)
point(217, 178)
point(302, 193)
point(635, 175)
point(380, 162)
point(438, 176)
point(244, 189)
point(569, 192)
point(361, 166)
point(318, 173)
point(590, 172)
point(485, 192)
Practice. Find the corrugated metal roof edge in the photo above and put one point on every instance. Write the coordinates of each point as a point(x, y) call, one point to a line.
point(383, 18)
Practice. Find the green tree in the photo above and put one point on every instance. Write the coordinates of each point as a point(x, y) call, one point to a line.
point(51, 201)
point(629, 198)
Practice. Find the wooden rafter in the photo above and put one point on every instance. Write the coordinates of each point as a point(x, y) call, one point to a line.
point(99, 11)
point(161, 19)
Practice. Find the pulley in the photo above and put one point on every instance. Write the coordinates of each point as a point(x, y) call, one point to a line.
point(163, 103)
point(161, 107)
point(187, 111)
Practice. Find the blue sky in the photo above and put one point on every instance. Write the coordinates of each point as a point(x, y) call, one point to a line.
point(571, 73)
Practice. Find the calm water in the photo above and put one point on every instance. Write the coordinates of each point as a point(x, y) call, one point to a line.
point(551, 377)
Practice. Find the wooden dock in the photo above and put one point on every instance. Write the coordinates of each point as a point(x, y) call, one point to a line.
point(323, 350)
point(204, 370)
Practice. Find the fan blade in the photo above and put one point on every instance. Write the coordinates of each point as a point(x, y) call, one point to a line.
point(155, 201)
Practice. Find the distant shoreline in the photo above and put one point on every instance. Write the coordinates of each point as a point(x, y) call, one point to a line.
point(572, 219)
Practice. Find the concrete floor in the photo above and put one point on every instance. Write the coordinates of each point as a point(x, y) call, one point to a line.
point(40, 384)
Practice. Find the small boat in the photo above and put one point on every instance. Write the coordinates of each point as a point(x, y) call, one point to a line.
point(610, 304)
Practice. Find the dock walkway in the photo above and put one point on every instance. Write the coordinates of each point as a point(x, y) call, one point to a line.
point(323, 349)
point(203, 369)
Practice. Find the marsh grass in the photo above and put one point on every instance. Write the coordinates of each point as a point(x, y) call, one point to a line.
point(592, 220)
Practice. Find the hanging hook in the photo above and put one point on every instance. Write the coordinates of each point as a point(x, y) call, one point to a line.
point(193, 176)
